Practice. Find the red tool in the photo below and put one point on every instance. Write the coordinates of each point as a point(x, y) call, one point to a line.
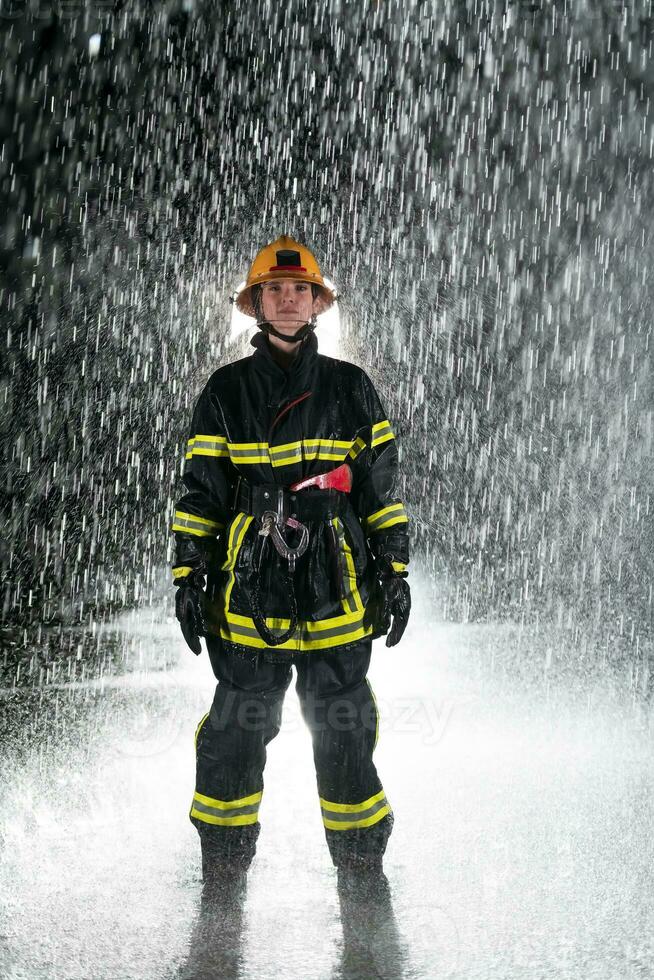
point(338, 479)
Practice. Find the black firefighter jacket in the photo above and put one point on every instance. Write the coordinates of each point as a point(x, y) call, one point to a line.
point(271, 426)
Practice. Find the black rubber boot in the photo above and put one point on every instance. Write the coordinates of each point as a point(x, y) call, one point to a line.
point(362, 848)
point(227, 853)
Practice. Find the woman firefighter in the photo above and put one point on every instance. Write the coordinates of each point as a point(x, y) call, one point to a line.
point(292, 518)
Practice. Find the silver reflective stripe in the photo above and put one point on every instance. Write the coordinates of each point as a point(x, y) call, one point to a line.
point(325, 449)
point(287, 454)
point(208, 444)
point(228, 811)
point(246, 453)
point(381, 433)
point(348, 817)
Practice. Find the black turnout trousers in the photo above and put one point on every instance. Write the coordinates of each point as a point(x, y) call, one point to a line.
point(339, 708)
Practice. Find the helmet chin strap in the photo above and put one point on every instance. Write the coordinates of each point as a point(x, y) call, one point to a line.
point(295, 338)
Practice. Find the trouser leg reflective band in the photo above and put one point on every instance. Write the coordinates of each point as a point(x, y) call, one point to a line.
point(347, 816)
point(226, 813)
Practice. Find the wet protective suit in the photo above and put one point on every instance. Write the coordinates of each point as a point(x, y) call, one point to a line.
point(307, 596)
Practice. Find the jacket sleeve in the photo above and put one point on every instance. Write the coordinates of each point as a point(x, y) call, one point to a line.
point(375, 463)
point(203, 511)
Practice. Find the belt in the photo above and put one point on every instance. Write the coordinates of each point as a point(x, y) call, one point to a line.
point(301, 505)
point(278, 507)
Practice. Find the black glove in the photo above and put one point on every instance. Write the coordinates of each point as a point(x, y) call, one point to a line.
point(188, 608)
point(394, 599)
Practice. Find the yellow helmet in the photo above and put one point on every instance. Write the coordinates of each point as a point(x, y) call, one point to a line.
point(284, 259)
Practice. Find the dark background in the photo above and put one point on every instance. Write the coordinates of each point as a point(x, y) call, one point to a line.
point(475, 177)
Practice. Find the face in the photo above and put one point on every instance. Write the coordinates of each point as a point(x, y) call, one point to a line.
point(288, 304)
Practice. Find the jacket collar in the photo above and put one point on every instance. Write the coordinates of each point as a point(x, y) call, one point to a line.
point(298, 373)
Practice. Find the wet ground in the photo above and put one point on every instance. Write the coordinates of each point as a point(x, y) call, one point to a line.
point(523, 794)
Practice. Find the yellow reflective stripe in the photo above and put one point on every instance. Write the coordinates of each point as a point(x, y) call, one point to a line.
point(352, 807)
point(352, 601)
point(352, 824)
point(181, 571)
point(312, 444)
point(247, 446)
point(309, 635)
point(321, 625)
point(197, 730)
point(398, 566)
point(251, 460)
point(402, 519)
point(262, 452)
point(386, 517)
point(384, 510)
point(238, 527)
point(381, 432)
point(217, 453)
point(238, 821)
point(229, 804)
point(216, 440)
point(357, 446)
point(280, 455)
point(190, 530)
point(201, 445)
point(226, 813)
point(248, 452)
point(345, 816)
point(192, 524)
point(333, 450)
point(332, 456)
point(197, 519)
point(374, 700)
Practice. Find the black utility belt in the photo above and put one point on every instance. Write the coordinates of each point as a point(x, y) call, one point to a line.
point(279, 509)
point(301, 505)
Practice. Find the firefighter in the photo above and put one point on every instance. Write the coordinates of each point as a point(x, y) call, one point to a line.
point(291, 547)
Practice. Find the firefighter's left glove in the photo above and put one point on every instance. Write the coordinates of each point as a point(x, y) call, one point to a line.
point(188, 608)
point(395, 599)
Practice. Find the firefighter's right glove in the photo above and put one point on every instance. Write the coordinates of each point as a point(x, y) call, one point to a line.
point(188, 608)
point(395, 599)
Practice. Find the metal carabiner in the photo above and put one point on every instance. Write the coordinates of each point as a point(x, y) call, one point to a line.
point(292, 553)
point(268, 522)
point(270, 526)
